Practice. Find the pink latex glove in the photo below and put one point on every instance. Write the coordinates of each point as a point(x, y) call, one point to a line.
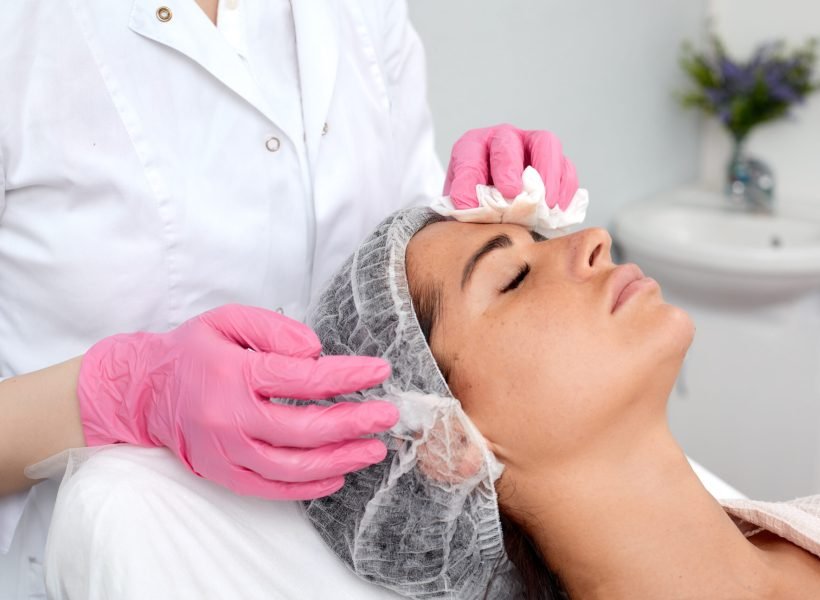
point(497, 156)
point(199, 391)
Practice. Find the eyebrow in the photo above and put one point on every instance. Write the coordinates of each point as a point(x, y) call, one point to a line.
point(494, 243)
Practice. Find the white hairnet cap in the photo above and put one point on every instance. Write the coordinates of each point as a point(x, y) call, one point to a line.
point(424, 522)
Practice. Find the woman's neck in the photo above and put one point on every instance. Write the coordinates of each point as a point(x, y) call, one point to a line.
point(639, 524)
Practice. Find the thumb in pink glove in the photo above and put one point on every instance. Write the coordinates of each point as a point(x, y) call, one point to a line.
point(497, 156)
point(200, 392)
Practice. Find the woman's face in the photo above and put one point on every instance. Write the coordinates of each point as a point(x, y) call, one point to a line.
point(533, 349)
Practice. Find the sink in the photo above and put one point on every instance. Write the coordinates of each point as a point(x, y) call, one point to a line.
point(693, 242)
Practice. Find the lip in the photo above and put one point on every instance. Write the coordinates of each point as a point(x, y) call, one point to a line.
point(621, 277)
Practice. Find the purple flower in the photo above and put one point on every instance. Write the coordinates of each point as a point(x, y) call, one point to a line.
point(737, 79)
point(744, 94)
point(764, 54)
point(783, 92)
point(716, 96)
point(725, 115)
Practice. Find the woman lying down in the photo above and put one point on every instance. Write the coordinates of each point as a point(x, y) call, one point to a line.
point(532, 460)
point(562, 364)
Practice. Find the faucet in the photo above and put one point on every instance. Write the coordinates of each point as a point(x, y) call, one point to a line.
point(751, 185)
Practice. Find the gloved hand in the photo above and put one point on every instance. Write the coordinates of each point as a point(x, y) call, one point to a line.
point(497, 156)
point(198, 390)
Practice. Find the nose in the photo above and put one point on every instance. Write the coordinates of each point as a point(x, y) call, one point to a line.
point(591, 251)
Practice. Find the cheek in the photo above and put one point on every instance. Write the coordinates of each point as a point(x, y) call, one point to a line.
point(542, 385)
point(542, 379)
point(529, 385)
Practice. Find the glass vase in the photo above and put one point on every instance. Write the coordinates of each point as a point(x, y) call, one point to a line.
point(749, 181)
point(737, 172)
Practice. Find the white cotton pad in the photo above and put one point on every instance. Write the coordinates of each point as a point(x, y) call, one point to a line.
point(529, 208)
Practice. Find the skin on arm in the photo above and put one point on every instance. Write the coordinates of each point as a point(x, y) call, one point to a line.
point(40, 417)
point(40, 410)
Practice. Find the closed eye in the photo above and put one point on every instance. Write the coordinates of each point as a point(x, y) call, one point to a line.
point(522, 274)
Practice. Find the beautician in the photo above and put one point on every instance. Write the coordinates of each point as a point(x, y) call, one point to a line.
point(179, 178)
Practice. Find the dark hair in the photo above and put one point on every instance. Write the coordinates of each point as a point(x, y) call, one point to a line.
point(539, 582)
point(426, 299)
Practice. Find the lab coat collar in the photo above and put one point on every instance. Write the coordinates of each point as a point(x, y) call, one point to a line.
point(317, 47)
point(191, 33)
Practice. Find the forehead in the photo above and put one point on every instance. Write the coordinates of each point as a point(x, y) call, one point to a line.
point(442, 246)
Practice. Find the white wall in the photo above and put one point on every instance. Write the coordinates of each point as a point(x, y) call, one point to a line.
point(791, 147)
point(601, 74)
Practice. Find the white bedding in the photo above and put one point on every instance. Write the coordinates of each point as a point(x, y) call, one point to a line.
point(132, 523)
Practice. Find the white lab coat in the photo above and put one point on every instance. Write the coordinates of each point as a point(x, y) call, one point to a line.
point(154, 168)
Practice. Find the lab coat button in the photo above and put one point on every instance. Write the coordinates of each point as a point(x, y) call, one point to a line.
point(164, 14)
point(324, 129)
point(280, 310)
point(272, 144)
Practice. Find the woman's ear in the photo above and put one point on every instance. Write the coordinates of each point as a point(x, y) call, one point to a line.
point(451, 453)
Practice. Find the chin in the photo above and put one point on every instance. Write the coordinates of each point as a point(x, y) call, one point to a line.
point(672, 336)
point(679, 329)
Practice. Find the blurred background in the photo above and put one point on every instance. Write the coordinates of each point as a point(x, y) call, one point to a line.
point(603, 76)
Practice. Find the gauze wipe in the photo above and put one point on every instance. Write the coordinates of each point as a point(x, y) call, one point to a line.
point(528, 209)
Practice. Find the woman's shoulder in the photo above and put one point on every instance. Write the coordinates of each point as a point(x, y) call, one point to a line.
point(796, 520)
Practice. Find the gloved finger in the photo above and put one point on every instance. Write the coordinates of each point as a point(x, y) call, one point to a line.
point(470, 166)
point(263, 330)
point(299, 465)
point(247, 483)
point(546, 155)
point(463, 193)
point(314, 426)
point(569, 184)
point(277, 376)
point(448, 178)
point(507, 160)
